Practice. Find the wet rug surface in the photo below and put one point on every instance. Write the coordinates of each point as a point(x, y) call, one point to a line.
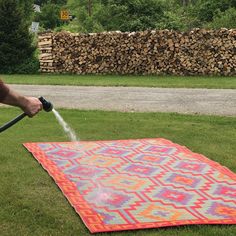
point(138, 184)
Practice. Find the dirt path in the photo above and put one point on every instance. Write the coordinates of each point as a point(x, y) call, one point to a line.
point(202, 101)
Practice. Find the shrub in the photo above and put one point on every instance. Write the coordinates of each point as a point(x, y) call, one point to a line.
point(225, 19)
point(16, 42)
point(49, 16)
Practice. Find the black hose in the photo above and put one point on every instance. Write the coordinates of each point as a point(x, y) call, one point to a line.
point(12, 122)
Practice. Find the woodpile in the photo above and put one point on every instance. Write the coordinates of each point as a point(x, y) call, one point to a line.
point(198, 52)
point(46, 55)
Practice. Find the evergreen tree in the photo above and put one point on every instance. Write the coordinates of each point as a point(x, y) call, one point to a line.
point(15, 40)
point(27, 7)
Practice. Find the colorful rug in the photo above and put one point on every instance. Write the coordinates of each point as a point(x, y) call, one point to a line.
point(137, 184)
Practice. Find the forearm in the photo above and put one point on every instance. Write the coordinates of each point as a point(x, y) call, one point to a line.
point(14, 99)
point(30, 105)
point(4, 90)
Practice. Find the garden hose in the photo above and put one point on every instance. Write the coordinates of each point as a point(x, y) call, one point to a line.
point(47, 106)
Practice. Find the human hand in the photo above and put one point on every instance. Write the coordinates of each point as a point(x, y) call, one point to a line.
point(31, 106)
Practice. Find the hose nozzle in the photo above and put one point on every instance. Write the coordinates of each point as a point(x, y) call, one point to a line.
point(47, 106)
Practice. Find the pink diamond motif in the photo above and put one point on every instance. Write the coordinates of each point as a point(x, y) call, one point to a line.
point(64, 153)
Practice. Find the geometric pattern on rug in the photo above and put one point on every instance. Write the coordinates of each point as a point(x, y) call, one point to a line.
point(136, 184)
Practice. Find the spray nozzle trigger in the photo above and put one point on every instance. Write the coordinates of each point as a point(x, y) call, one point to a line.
point(47, 106)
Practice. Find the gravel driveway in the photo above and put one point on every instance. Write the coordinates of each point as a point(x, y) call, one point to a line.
point(190, 101)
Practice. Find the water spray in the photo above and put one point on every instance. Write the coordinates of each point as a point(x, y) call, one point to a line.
point(47, 106)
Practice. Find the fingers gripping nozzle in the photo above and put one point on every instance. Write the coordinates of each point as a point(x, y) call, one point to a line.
point(47, 106)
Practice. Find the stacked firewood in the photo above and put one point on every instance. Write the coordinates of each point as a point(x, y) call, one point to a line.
point(198, 52)
point(46, 55)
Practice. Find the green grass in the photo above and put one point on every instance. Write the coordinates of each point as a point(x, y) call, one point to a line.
point(113, 80)
point(32, 204)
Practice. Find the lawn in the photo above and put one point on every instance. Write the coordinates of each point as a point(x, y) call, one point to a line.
point(113, 80)
point(32, 204)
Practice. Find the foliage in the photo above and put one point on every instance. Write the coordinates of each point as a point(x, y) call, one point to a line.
point(49, 16)
point(207, 9)
point(133, 15)
point(27, 7)
point(29, 66)
point(42, 2)
point(172, 20)
point(203, 12)
point(225, 19)
point(124, 15)
point(16, 42)
point(86, 19)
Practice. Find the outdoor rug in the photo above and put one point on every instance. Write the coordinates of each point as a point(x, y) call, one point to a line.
point(137, 184)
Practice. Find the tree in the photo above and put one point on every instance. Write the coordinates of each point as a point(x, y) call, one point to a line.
point(15, 39)
point(204, 10)
point(49, 17)
point(85, 12)
point(226, 19)
point(135, 15)
point(27, 7)
point(131, 15)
